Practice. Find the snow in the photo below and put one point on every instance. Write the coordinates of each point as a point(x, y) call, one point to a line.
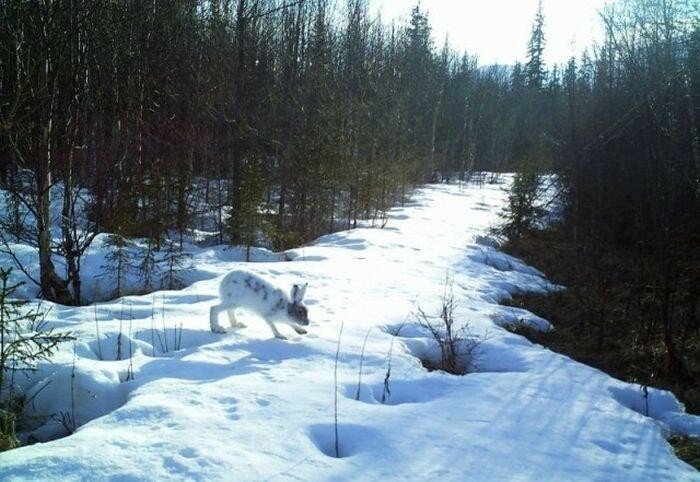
point(99, 280)
point(246, 406)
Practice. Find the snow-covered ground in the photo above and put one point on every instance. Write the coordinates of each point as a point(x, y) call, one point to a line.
point(247, 406)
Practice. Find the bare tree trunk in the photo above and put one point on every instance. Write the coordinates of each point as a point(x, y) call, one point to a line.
point(332, 210)
point(70, 247)
point(53, 287)
point(239, 109)
point(694, 138)
point(67, 219)
point(433, 134)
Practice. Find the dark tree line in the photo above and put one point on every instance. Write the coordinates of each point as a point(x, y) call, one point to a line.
point(620, 128)
point(634, 184)
point(300, 116)
point(289, 119)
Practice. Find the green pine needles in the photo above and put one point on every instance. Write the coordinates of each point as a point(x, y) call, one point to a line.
point(24, 341)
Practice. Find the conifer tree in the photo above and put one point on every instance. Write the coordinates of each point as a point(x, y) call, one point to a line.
point(119, 262)
point(24, 341)
point(534, 68)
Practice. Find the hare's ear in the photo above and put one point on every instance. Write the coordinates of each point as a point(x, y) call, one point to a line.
point(295, 294)
point(298, 292)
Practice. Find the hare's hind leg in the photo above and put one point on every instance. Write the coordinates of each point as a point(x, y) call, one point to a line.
point(232, 319)
point(214, 319)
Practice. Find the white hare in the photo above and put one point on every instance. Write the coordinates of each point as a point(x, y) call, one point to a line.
point(257, 295)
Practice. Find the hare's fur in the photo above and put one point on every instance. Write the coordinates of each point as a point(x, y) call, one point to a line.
point(242, 289)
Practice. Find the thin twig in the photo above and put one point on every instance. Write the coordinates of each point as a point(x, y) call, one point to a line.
point(130, 375)
point(335, 401)
point(274, 10)
point(386, 392)
point(72, 392)
point(165, 330)
point(97, 335)
point(362, 359)
point(179, 338)
point(153, 326)
point(119, 336)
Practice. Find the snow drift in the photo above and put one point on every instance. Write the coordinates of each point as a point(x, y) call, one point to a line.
point(156, 395)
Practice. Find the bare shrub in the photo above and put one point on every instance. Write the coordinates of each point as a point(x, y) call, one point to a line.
point(456, 343)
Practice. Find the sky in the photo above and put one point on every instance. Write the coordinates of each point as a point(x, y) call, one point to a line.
point(498, 30)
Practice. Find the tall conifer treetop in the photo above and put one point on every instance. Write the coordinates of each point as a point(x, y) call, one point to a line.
point(534, 68)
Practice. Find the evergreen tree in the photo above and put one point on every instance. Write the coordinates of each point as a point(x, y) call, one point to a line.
point(176, 263)
point(119, 262)
point(24, 341)
point(534, 68)
point(148, 267)
point(246, 222)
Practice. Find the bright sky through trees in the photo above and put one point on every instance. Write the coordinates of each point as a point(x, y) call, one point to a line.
point(498, 30)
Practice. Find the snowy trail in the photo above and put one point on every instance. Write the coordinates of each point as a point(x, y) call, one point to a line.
point(245, 406)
